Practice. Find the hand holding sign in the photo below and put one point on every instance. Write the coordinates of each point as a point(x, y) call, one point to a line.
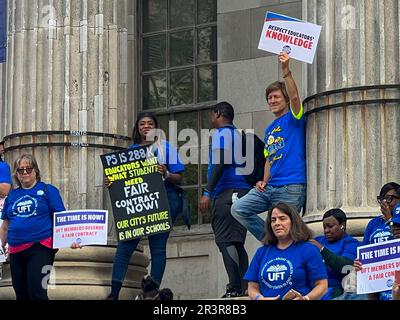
point(295, 37)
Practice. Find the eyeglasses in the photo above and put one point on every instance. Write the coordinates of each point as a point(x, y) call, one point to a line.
point(388, 198)
point(22, 170)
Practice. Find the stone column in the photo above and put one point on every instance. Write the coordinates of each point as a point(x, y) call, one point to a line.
point(353, 130)
point(70, 79)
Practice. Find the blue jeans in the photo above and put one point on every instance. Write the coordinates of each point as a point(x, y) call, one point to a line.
point(246, 209)
point(157, 243)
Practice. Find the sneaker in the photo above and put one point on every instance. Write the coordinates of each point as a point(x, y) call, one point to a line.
point(231, 292)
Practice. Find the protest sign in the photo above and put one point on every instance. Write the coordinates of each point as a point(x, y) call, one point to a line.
point(138, 196)
point(297, 38)
point(81, 226)
point(379, 263)
point(3, 256)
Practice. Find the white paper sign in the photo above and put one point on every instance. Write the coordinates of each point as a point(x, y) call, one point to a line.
point(3, 256)
point(296, 37)
point(81, 226)
point(379, 262)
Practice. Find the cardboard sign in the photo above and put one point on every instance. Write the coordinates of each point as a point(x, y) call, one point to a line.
point(297, 38)
point(138, 196)
point(379, 264)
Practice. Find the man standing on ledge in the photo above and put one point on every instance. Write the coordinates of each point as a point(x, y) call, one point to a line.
point(285, 151)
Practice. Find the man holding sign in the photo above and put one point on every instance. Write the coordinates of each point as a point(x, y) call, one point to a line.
point(285, 150)
point(293, 36)
point(143, 202)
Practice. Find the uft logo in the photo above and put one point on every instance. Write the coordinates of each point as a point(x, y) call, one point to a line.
point(287, 49)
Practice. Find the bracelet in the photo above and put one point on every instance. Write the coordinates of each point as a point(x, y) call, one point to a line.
point(287, 74)
point(258, 296)
point(206, 193)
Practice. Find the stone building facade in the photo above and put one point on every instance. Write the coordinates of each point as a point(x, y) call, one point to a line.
point(77, 72)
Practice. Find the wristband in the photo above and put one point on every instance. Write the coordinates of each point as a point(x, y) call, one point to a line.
point(206, 193)
point(258, 296)
point(287, 74)
point(306, 297)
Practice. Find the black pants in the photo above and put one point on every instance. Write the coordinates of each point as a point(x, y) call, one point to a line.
point(30, 270)
point(236, 263)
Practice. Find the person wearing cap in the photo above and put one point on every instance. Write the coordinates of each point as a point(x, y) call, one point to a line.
point(395, 223)
point(338, 250)
point(379, 228)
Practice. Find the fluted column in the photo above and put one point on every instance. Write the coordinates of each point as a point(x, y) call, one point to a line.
point(353, 144)
point(70, 79)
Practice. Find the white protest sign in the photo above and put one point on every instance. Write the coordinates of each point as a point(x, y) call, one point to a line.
point(296, 37)
point(379, 263)
point(81, 226)
point(3, 256)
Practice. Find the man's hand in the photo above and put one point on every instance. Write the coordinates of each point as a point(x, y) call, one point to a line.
point(284, 60)
point(204, 204)
point(260, 186)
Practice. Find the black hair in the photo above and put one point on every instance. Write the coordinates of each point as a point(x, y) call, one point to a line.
point(136, 138)
point(337, 213)
point(2, 142)
point(225, 109)
point(389, 186)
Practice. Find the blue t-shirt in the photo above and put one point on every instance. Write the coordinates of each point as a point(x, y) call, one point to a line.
point(378, 230)
point(168, 156)
point(5, 175)
point(277, 271)
point(285, 149)
point(30, 213)
point(345, 247)
point(229, 141)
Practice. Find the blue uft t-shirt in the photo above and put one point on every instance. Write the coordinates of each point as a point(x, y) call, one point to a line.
point(285, 149)
point(345, 247)
point(378, 230)
point(229, 141)
point(168, 156)
point(30, 213)
point(277, 271)
point(5, 175)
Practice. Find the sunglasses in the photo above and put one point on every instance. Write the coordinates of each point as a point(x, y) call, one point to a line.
point(388, 198)
point(22, 170)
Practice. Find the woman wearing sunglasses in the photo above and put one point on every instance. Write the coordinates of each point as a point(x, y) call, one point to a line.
point(378, 229)
point(28, 229)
